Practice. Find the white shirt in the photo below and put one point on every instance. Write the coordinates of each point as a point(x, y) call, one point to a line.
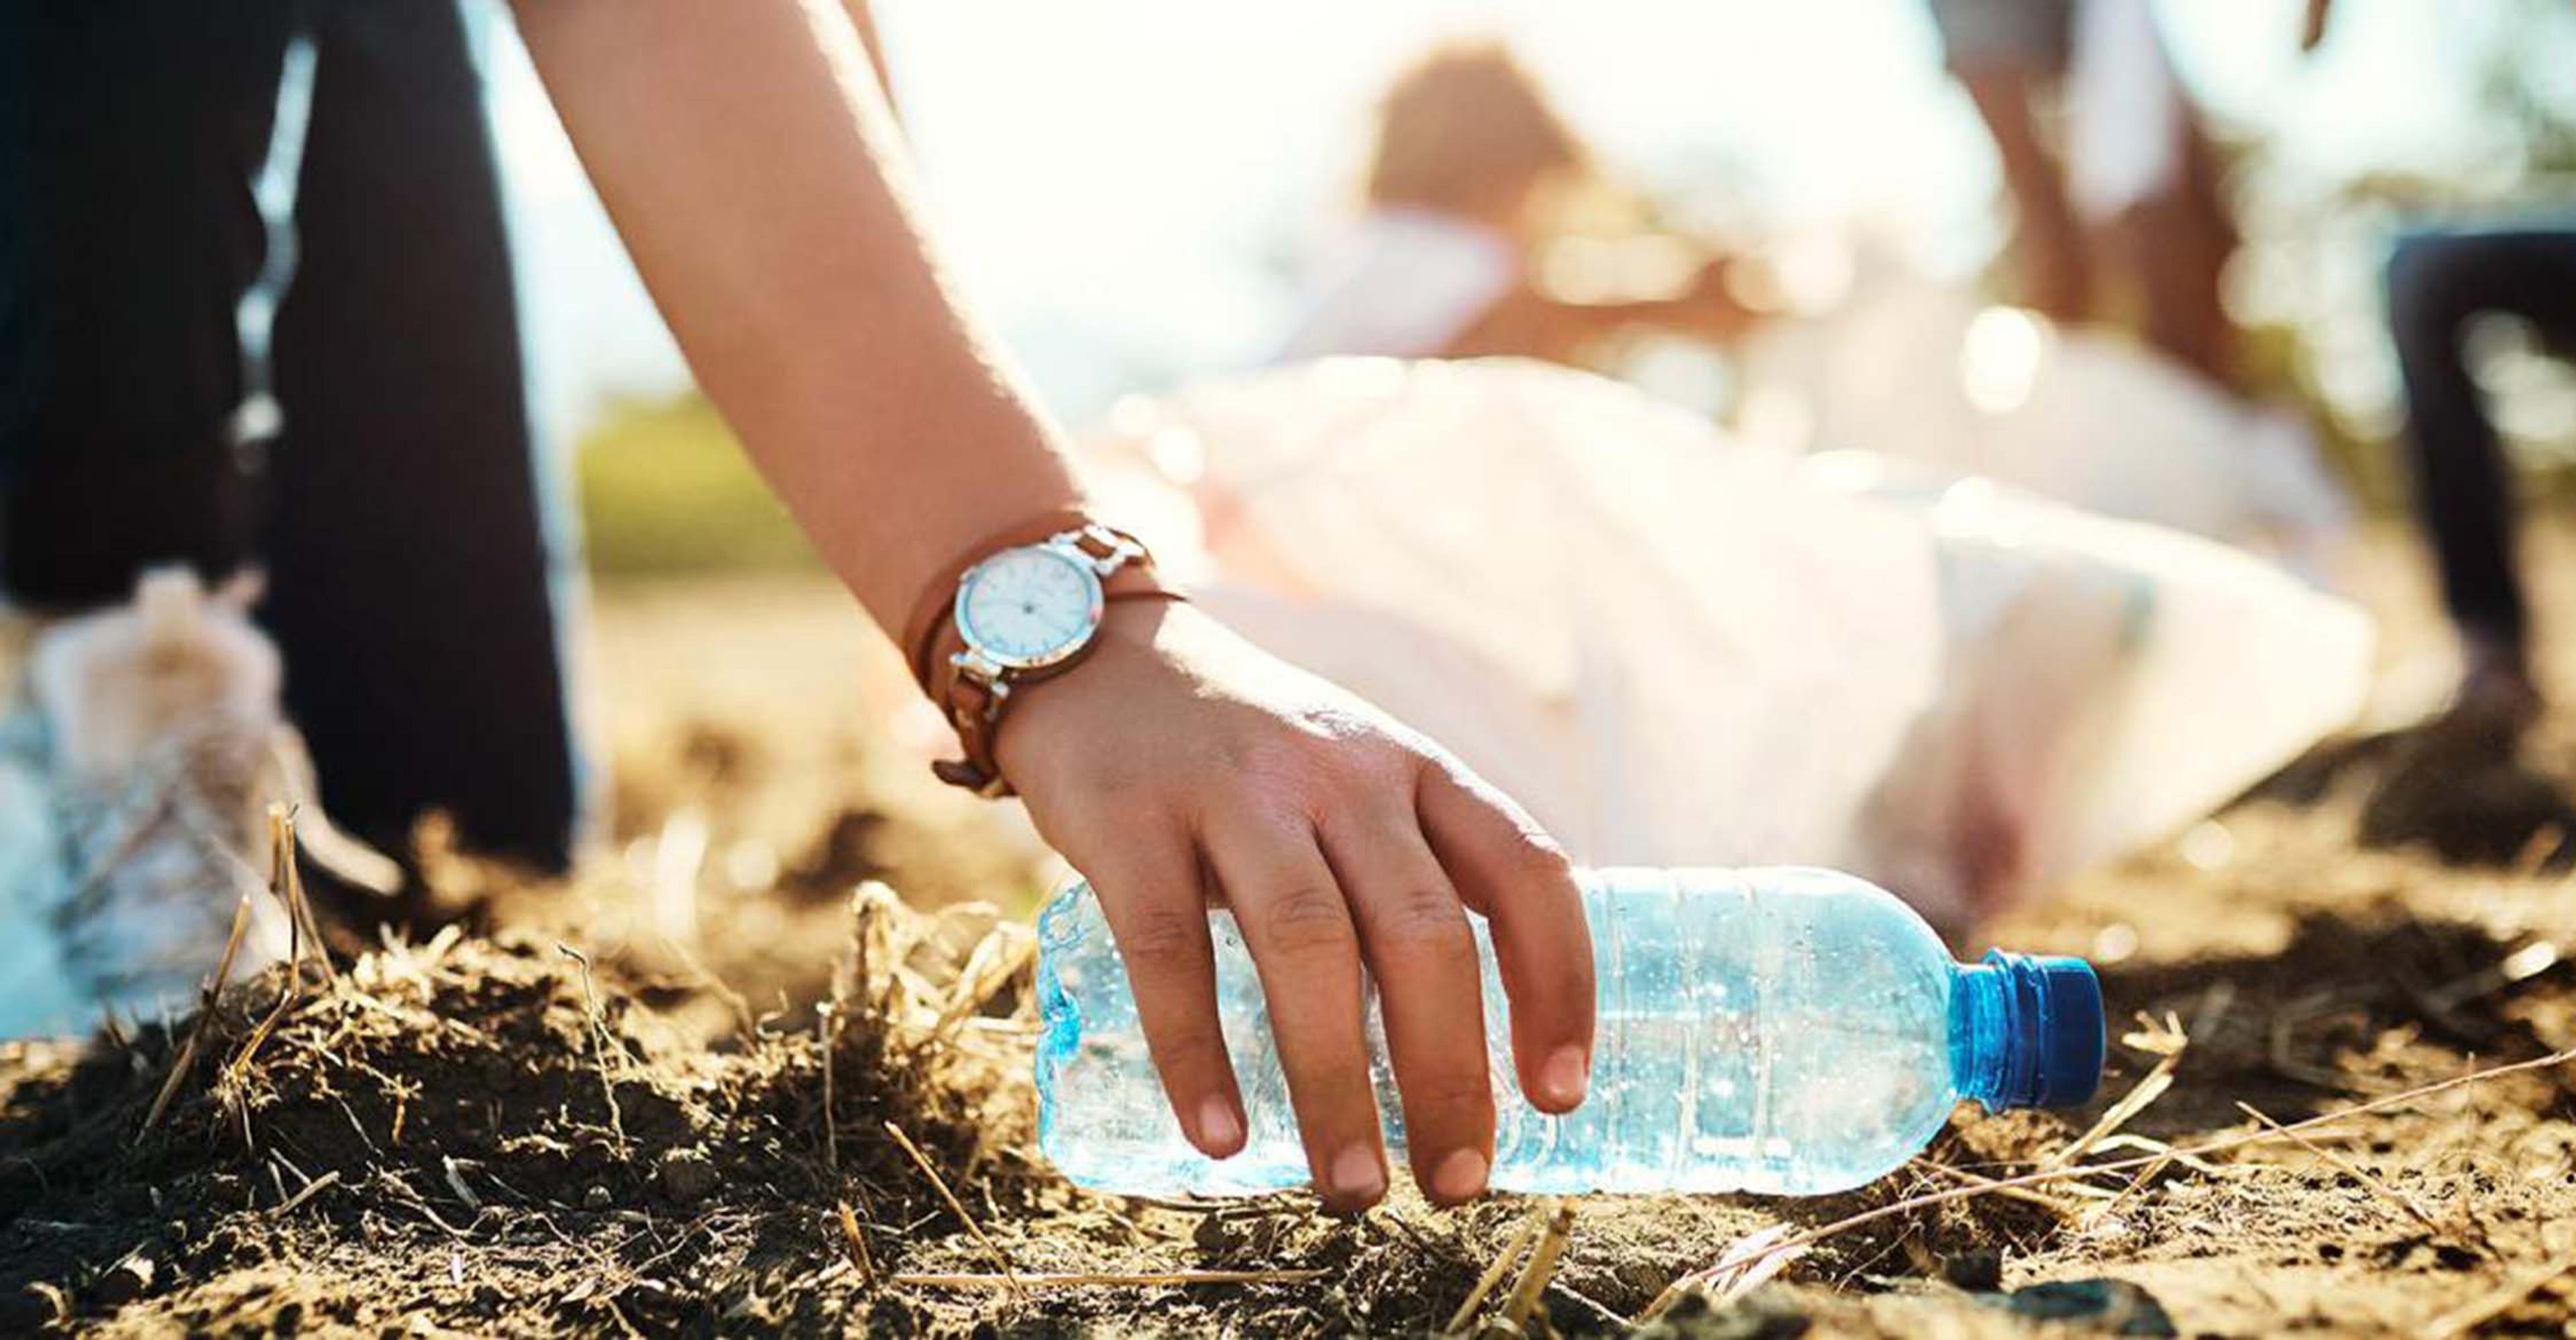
point(1401, 283)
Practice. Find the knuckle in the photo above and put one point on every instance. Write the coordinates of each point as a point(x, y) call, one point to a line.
point(1448, 1089)
point(1541, 859)
point(1310, 918)
point(1161, 940)
point(1426, 919)
point(1191, 1053)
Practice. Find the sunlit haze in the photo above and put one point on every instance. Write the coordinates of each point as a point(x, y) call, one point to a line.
point(1126, 186)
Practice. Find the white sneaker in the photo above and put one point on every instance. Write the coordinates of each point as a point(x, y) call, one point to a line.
point(159, 719)
point(40, 998)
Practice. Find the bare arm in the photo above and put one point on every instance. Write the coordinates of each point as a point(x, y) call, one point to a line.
point(746, 154)
point(751, 164)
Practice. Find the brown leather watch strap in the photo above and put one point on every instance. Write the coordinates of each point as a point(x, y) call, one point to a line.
point(976, 713)
point(931, 609)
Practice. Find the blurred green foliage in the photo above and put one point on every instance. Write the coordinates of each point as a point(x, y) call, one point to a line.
point(665, 489)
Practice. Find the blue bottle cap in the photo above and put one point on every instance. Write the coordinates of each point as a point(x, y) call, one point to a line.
point(2054, 1058)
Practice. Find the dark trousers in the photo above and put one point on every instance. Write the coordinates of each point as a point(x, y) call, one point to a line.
point(2437, 282)
point(398, 514)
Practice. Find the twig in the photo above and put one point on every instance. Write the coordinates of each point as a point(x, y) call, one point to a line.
point(286, 841)
point(2160, 1161)
point(2151, 1145)
point(1144, 1279)
point(302, 1178)
point(940, 1185)
point(187, 1057)
point(2150, 1087)
point(311, 1189)
point(995, 960)
point(2519, 966)
point(2349, 1169)
point(1673, 1292)
point(598, 1040)
point(2172, 1042)
point(1963, 1177)
point(1494, 1272)
point(284, 886)
point(856, 1245)
point(827, 1032)
point(400, 1192)
point(1544, 1254)
point(456, 1183)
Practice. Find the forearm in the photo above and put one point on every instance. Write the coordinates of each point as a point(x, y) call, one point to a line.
point(748, 158)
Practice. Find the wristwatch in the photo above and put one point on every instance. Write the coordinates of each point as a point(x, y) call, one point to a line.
point(1023, 612)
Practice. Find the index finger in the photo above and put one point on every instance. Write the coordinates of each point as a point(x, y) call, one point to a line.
point(1153, 896)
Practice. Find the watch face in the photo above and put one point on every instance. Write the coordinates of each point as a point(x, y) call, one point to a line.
point(1029, 607)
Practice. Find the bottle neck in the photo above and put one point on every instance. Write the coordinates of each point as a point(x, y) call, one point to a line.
point(2025, 1031)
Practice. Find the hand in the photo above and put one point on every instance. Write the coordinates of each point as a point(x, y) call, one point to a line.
point(1177, 762)
point(1714, 304)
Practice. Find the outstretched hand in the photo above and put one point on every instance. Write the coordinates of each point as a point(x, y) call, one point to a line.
point(1178, 765)
point(753, 170)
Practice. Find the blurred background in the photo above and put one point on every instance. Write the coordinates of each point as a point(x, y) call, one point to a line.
point(2132, 256)
point(1132, 190)
point(1139, 194)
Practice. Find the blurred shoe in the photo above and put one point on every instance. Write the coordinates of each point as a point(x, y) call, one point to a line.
point(136, 773)
point(2457, 783)
point(41, 999)
point(158, 718)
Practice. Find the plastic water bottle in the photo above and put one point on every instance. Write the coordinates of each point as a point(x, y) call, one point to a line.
point(1779, 1031)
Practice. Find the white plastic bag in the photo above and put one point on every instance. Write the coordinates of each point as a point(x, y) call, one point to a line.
point(1890, 362)
point(1677, 650)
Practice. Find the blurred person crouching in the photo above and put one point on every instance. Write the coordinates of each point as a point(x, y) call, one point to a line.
point(2130, 190)
point(1471, 179)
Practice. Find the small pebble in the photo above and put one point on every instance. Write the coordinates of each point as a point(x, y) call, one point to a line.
point(687, 1175)
point(1978, 1271)
point(124, 1282)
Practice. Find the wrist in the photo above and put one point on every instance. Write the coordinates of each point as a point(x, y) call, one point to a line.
point(1028, 605)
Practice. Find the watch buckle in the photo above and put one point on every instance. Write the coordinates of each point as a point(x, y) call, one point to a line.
point(975, 665)
point(1115, 550)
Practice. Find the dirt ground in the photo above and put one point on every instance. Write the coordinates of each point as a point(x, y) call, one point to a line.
point(613, 1106)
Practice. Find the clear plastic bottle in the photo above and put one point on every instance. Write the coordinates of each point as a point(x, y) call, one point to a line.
point(1782, 1031)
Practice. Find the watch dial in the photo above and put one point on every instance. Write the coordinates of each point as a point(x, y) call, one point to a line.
point(1027, 606)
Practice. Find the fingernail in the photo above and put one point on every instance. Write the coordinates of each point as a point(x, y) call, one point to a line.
point(1357, 1175)
point(1461, 1176)
point(1218, 1128)
point(1565, 1075)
